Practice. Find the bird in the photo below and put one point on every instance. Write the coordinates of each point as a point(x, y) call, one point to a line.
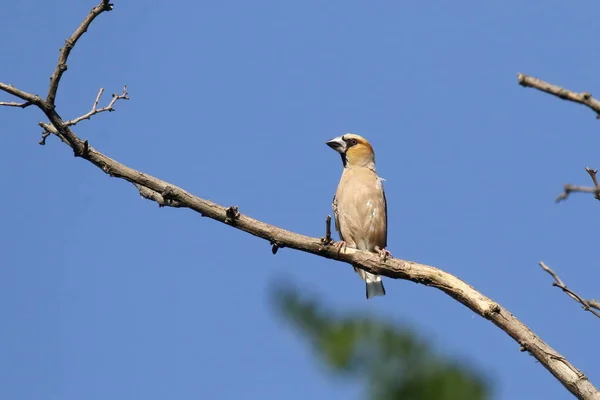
point(359, 205)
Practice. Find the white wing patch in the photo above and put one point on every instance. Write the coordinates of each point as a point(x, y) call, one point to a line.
point(373, 211)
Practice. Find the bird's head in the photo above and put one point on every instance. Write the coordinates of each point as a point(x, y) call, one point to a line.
point(356, 151)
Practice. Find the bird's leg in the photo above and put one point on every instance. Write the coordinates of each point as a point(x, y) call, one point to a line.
point(339, 246)
point(383, 253)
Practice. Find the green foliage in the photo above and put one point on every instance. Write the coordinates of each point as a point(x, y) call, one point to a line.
point(392, 360)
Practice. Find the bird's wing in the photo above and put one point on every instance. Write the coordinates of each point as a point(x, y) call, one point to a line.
point(386, 215)
point(336, 217)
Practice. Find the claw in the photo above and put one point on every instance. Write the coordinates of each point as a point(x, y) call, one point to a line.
point(339, 246)
point(383, 253)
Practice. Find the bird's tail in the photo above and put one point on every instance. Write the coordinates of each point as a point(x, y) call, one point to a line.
point(373, 283)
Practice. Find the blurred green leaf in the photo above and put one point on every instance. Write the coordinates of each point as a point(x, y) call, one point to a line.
point(393, 361)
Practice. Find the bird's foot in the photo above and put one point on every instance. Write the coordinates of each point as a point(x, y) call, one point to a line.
point(339, 246)
point(383, 253)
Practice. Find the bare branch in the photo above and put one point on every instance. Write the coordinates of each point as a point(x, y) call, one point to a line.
point(568, 189)
point(27, 97)
point(61, 65)
point(584, 98)
point(588, 305)
point(327, 238)
point(15, 104)
point(592, 173)
point(49, 129)
point(45, 135)
point(95, 110)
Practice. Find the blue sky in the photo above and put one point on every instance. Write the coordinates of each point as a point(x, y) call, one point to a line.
point(104, 295)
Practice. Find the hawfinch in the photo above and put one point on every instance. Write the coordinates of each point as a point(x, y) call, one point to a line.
point(359, 205)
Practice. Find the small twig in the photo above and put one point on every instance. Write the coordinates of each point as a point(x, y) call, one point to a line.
point(275, 246)
point(15, 104)
point(95, 110)
point(588, 305)
point(49, 129)
point(584, 98)
point(568, 189)
point(45, 135)
point(326, 240)
point(593, 173)
point(27, 97)
point(61, 65)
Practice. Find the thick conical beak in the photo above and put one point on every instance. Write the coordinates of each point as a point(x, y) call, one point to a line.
point(337, 144)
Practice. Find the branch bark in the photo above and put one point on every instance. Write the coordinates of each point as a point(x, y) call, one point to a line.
point(166, 194)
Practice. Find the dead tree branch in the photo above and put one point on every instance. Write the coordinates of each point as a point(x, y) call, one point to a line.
point(166, 194)
point(592, 173)
point(30, 99)
point(15, 104)
point(95, 110)
point(584, 98)
point(568, 189)
point(61, 65)
point(588, 305)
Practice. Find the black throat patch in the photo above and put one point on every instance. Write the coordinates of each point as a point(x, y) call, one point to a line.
point(349, 143)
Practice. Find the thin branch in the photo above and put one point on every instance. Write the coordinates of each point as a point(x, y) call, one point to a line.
point(49, 129)
point(584, 98)
point(568, 189)
point(15, 104)
point(327, 238)
point(27, 97)
point(573, 379)
point(45, 135)
point(592, 173)
point(61, 65)
point(588, 305)
point(95, 110)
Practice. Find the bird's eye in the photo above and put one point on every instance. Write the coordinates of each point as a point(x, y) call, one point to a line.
point(353, 142)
